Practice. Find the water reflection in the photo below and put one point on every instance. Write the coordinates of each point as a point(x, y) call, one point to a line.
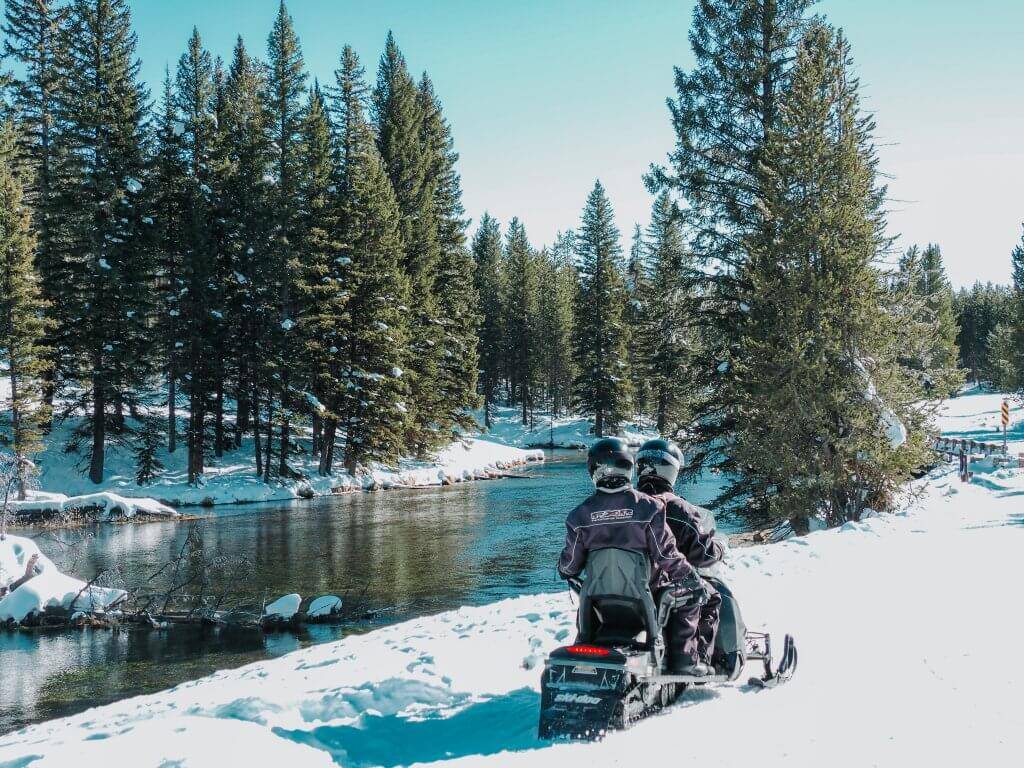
point(399, 553)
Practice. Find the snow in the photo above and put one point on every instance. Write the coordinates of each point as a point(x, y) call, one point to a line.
point(974, 415)
point(904, 624)
point(113, 505)
point(49, 587)
point(324, 606)
point(287, 324)
point(565, 431)
point(104, 264)
point(284, 607)
point(232, 478)
point(133, 186)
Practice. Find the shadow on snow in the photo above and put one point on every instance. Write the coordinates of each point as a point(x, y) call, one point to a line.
point(503, 723)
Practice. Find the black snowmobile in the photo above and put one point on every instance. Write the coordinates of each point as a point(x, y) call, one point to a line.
point(615, 672)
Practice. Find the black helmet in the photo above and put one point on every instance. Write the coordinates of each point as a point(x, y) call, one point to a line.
point(659, 457)
point(610, 464)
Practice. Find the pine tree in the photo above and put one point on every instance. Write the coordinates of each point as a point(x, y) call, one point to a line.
point(489, 277)
point(979, 309)
point(723, 112)
point(453, 286)
point(321, 292)
point(638, 286)
point(32, 39)
point(167, 187)
point(370, 342)
point(553, 325)
point(286, 88)
point(818, 382)
point(194, 101)
point(665, 342)
point(22, 324)
point(929, 325)
point(399, 119)
point(601, 334)
point(250, 286)
point(1006, 358)
point(1007, 347)
point(106, 255)
point(521, 314)
point(558, 319)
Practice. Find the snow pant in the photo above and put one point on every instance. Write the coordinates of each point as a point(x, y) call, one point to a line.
point(707, 626)
point(690, 633)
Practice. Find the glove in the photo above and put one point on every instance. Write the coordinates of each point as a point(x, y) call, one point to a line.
point(689, 592)
point(576, 585)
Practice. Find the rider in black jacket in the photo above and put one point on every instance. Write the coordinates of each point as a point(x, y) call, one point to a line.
point(618, 516)
point(657, 464)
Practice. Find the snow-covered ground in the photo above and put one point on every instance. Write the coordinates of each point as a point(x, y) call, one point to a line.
point(232, 478)
point(906, 625)
point(112, 505)
point(559, 432)
point(975, 416)
point(49, 587)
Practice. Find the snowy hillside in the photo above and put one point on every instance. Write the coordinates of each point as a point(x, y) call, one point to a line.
point(905, 625)
point(559, 432)
point(233, 478)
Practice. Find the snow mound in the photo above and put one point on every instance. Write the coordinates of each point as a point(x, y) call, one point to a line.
point(284, 607)
point(49, 588)
point(902, 622)
point(324, 606)
point(112, 504)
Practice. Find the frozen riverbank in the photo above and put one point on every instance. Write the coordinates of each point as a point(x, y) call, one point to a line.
point(886, 677)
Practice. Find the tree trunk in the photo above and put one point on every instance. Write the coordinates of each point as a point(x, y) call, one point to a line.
point(327, 446)
point(599, 424)
point(318, 426)
point(98, 428)
point(268, 456)
point(241, 420)
point(50, 392)
point(172, 412)
point(119, 412)
point(487, 407)
point(16, 429)
point(196, 430)
point(258, 448)
point(218, 439)
point(285, 437)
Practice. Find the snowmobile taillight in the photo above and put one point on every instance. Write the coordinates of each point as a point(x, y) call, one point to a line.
point(587, 650)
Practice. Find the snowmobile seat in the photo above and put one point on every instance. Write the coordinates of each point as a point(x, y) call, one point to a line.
point(616, 603)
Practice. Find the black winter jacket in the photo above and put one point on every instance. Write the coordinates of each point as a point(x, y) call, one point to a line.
point(625, 519)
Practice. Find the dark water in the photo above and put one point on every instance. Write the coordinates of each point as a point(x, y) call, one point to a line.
point(399, 554)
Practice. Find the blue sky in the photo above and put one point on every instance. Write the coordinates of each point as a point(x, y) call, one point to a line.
point(544, 97)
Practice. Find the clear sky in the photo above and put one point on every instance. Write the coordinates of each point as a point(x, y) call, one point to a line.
point(544, 97)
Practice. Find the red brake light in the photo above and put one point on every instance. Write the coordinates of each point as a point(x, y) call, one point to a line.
point(587, 650)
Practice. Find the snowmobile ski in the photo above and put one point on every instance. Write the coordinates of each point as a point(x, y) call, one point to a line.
point(787, 665)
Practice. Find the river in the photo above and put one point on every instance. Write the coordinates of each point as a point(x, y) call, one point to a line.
point(398, 554)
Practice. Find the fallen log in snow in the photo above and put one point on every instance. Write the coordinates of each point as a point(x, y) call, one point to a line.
point(104, 505)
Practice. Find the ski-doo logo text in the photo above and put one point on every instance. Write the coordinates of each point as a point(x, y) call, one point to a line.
point(611, 514)
point(576, 698)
